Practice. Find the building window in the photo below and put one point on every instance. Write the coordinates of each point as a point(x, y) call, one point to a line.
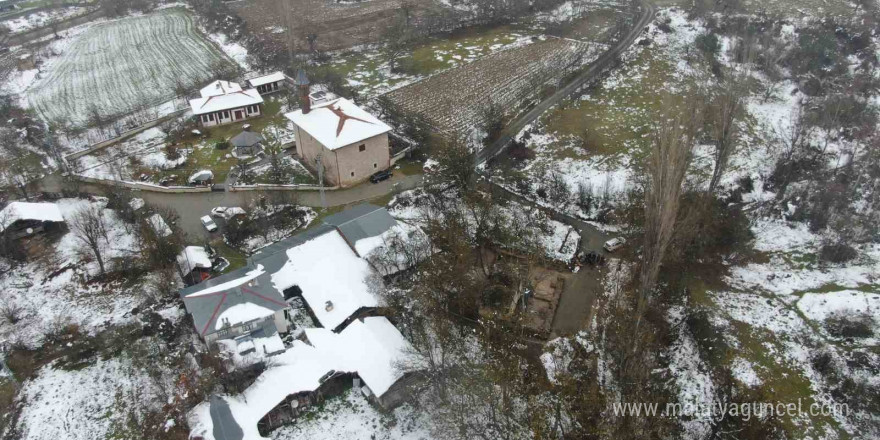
point(204, 118)
point(225, 114)
point(352, 174)
point(375, 165)
point(210, 116)
point(362, 147)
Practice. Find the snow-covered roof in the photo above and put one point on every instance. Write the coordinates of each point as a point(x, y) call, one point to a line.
point(223, 95)
point(233, 298)
point(15, 211)
point(327, 270)
point(193, 257)
point(158, 224)
point(338, 123)
point(219, 87)
point(136, 203)
point(266, 79)
point(371, 348)
point(361, 221)
point(201, 176)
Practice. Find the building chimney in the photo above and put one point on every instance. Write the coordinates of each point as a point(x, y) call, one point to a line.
point(302, 82)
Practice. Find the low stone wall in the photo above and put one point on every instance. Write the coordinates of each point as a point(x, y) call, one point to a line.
point(142, 186)
point(104, 144)
point(272, 187)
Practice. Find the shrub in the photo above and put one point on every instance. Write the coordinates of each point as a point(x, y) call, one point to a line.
point(837, 253)
point(221, 145)
point(850, 324)
point(707, 44)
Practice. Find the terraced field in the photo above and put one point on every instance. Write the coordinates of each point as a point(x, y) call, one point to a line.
point(452, 100)
point(123, 65)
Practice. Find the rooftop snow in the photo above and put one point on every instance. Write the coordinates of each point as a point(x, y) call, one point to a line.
point(327, 270)
point(193, 257)
point(223, 95)
point(338, 123)
point(266, 79)
point(15, 211)
point(159, 225)
point(370, 348)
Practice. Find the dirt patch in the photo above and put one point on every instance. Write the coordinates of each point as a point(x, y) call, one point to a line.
point(337, 25)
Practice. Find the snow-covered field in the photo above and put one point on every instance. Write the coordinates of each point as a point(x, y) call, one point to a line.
point(41, 18)
point(82, 404)
point(118, 66)
point(51, 290)
point(352, 417)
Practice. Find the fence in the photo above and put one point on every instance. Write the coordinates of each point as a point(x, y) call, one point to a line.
point(273, 187)
point(142, 186)
point(124, 135)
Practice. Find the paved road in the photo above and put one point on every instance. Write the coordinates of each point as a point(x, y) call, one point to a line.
point(594, 70)
point(191, 206)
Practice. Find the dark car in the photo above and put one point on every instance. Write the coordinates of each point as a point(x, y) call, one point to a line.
point(380, 176)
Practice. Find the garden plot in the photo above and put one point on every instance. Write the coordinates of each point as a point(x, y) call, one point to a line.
point(369, 71)
point(121, 66)
point(598, 139)
point(452, 100)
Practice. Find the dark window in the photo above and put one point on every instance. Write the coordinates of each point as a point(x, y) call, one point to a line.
point(210, 116)
point(375, 165)
point(352, 174)
point(362, 147)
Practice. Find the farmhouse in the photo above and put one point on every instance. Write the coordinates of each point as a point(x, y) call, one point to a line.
point(348, 143)
point(267, 84)
point(224, 102)
point(319, 265)
point(21, 219)
point(365, 355)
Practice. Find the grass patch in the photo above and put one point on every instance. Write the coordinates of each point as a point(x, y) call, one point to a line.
point(236, 259)
point(409, 167)
point(781, 382)
point(611, 120)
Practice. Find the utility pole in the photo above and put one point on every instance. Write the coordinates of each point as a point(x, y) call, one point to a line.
point(320, 167)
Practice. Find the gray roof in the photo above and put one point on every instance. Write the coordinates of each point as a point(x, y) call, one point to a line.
point(225, 426)
point(361, 221)
point(206, 308)
point(246, 139)
point(355, 223)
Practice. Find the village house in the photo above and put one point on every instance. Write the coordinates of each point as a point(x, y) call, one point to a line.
point(325, 268)
point(267, 84)
point(224, 102)
point(347, 142)
point(22, 219)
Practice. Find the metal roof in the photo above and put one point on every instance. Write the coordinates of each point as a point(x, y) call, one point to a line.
point(361, 221)
point(246, 139)
point(225, 426)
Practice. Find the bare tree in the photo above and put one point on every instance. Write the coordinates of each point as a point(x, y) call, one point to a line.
point(726, 112)
point(671, 152)
point(89, 227)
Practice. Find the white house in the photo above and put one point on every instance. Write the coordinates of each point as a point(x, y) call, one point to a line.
point(267, 84)
point(224, 102)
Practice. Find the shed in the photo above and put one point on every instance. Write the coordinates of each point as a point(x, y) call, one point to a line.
point(24, 218)
point(247, 143)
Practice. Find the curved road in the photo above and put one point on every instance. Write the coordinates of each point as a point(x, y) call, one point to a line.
point(648, 10)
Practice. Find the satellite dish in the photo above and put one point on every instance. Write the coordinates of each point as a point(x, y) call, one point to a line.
point(29, 231)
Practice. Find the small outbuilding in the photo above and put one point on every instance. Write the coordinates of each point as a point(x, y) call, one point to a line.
point(195, 264)
point(22, 219)
point(267, 84)
point(246, 143)
point(201, 177)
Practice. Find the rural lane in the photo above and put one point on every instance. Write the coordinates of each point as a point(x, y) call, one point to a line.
point(592, 72)
point(191, 206)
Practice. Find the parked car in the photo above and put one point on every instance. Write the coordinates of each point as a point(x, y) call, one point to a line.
point(381, 175)
point(227, 213)
point(614, 244)
point(208, 223)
